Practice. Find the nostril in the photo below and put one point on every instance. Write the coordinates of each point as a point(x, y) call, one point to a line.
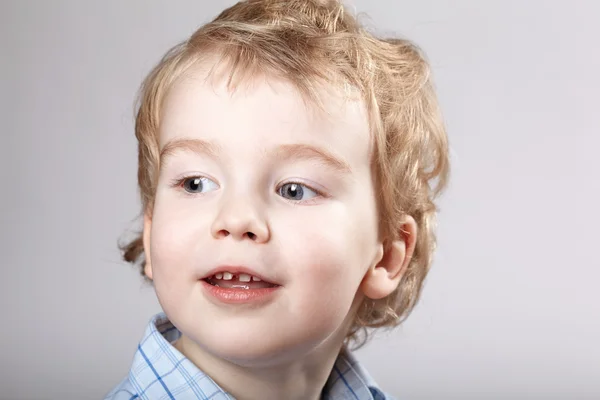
point(251, 235)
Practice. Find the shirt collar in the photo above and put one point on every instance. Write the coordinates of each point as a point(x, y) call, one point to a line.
point(158, 370)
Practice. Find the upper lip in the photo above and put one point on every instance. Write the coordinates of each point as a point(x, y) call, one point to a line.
point(236, 270)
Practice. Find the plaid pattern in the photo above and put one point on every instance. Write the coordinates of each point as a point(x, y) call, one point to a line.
point(159, 372)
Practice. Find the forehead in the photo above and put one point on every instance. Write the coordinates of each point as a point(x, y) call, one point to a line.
point(262, 112)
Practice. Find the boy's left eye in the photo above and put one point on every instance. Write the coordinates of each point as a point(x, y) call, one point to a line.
point(296, 191)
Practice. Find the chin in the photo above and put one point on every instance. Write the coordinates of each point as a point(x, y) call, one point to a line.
point(257, 348)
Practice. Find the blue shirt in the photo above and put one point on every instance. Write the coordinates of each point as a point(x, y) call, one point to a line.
point(159, 371)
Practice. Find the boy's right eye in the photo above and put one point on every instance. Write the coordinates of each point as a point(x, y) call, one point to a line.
point(198, 184)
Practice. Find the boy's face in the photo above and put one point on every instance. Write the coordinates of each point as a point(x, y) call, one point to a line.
point(274, 187)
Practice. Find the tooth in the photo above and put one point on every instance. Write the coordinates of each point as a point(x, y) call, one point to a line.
point(227, 276)
point(244, 278)
point(219, 275)
point(255, 279)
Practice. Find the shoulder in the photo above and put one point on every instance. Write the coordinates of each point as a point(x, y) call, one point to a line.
point(123, 391)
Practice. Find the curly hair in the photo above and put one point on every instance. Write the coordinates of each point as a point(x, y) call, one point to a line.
point(306, 42)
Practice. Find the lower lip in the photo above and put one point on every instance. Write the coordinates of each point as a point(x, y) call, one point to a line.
point(239, 296)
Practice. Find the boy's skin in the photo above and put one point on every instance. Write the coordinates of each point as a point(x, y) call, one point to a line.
point(323, 251)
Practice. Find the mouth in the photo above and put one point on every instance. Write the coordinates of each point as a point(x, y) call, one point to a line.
point(239, 286)
point(238, 280)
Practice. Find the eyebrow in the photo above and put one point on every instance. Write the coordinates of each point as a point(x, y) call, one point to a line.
point(312, 153)
point(197, 146)
point(297, 151)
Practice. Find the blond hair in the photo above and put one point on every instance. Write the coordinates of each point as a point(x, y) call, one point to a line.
point(311, 41)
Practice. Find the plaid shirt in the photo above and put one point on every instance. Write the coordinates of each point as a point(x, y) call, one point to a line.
point(159, 371)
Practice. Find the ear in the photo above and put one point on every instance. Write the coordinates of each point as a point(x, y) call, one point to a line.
point(146, 240)
point(384, 277)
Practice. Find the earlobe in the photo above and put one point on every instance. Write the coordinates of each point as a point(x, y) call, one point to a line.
point(384, 277)
point(146, 240)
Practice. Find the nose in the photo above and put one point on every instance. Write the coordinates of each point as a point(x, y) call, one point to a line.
point(241, 219)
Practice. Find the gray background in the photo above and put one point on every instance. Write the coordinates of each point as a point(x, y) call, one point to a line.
point(511, 308)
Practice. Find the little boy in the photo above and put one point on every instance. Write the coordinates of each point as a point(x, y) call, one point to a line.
point(287, 162)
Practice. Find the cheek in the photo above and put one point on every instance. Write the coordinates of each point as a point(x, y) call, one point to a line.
point(176, 227)
point(174, 248)
point(329, 264)
point(172, 266)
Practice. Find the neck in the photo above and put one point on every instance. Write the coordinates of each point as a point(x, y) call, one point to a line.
point(298, 379)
